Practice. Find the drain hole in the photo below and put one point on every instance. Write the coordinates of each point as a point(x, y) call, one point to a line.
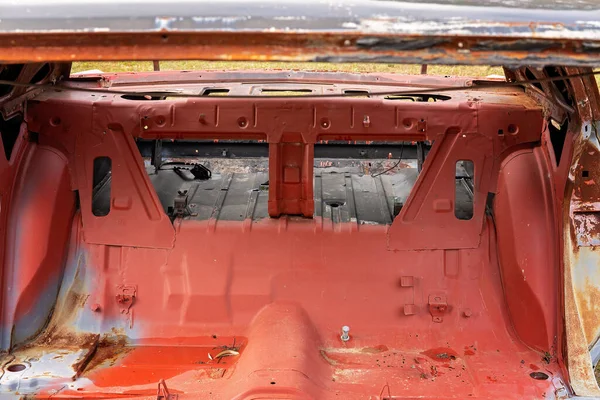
point(335, 204)
point(16, 367)
point(272, 382)
point(540, 376)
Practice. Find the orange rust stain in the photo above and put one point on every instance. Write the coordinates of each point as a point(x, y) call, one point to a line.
point(145, 365)
point(441, 354)
point(373, 350)
point(108, 351)
point(589, 309)
point(492, 378)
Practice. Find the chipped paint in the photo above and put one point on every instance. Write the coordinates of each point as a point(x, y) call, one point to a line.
point(581, 238)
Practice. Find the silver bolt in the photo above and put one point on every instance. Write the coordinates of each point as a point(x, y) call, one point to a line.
point(345, 333)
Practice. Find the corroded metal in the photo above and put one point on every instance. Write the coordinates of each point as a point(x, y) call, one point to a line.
point(451, 32)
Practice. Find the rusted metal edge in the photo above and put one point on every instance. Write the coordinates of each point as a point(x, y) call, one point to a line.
point(533, 19)
point(299, 46)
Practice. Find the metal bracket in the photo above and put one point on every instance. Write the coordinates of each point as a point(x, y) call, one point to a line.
point(181, 207)
point(125, 297)
point(438, 306)
point(163, 392)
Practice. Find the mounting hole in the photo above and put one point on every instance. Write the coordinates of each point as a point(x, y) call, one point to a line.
point(214, 336)
point(500, 132)
point(407, 123)
point(16, 367)
point(585, 174)
point(242, 122)
point(272, 382)
point(325, 123)
point(513, 129)
point(164, 37)
point(540, 376)
point(55, 121)
point(160, 120)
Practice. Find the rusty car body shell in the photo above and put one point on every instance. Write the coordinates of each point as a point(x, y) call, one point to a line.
point(142, 282)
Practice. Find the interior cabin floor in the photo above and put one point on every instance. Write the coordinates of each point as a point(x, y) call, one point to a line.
point(249, 307)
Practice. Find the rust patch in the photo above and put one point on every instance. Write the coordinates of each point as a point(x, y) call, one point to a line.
point(109, 349)
point(57, 337)
point(327, 358)
point(374, 350)
point(216, 373)
point(589, 309)
point(441, 354)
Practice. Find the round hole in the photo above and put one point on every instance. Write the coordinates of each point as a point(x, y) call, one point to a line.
point(242, 122)
point(407, 122)
point(272, 382)
point(214, 336)
point(540, 376)
point(513, 129)
point(164, 37)
point(325, 124)
point(16, 367)
point(160, 120)
point(55, 121)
